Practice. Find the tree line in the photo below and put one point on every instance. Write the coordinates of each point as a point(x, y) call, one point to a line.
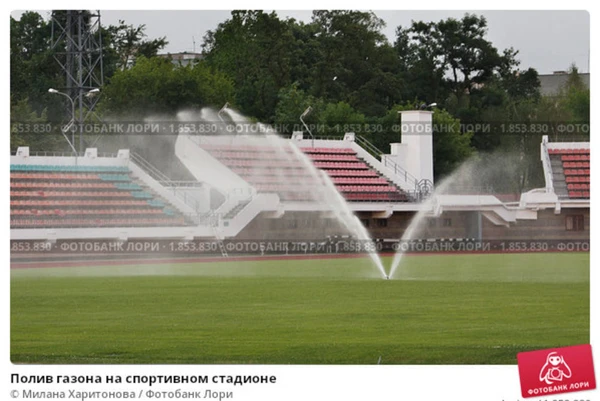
point(340, 63)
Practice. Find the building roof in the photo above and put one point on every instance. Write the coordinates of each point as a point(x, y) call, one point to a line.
point(183, 58)
point(551, 84)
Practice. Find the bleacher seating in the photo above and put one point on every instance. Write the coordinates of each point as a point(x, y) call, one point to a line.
point(44, 196)
point(576, 167)
point(269, 169)
point(264, 167)
point(354, 178)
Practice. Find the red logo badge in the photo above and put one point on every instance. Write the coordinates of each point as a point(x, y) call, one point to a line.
point(556, 370)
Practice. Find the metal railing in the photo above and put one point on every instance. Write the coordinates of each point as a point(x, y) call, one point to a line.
point(149, 168)
point(189, 200)
point(328, 137)
point(207, 218)
point(417, 196)
point(368, 146)
point(566, 137)
point(182, 184)
point(378, 154)
point(400, 172)
point(471, 190)
point(237, 209)
point(47, 153)
point(93, 223)
point(166, 182)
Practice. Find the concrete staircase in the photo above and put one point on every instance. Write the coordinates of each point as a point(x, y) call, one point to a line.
point(558, 177)
point(142, 175)
point(265, 202)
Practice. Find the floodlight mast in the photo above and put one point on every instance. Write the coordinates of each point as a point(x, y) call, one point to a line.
point(76, 44)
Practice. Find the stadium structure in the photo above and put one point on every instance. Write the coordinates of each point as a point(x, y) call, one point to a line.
point(250, 188)
point(257, 187)
point(125, 250)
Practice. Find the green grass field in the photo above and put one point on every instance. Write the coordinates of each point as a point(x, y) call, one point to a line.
point(459, 309)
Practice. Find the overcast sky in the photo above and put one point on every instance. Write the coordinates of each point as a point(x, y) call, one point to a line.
point(547, 40)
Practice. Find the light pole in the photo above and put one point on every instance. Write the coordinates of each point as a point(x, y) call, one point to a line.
point(306, 112)
point(223, 109)
point(225, 125)
point(91, 93)
point(70, 124)
point(425, 106)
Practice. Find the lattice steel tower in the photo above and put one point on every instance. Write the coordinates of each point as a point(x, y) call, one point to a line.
point(77, 44)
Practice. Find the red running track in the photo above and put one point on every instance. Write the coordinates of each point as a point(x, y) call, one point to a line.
point(117, 262)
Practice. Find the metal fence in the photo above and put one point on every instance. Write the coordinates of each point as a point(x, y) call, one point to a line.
point(49, 153)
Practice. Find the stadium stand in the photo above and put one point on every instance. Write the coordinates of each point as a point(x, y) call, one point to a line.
point(571, 170)
point(270, 169)
point(354, 178)
point(266, 168)
point(44, 196)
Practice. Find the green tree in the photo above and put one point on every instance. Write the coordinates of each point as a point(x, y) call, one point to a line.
point(468, 56)
point(450, 146)
point(338, 56)
point(451, 59)
point(324, 118)
point(576, 97)
point(570, 105)
point(156, 85)
point(337, 118)
point(421, 68)
point(452, 63)
point(255, 50)
point(292, 102)
point(33, 69)
point(127, 43)
point(355, 63)
point(31, 128)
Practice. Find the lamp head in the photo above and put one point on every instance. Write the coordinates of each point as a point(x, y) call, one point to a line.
point(92, 92)
point(306, 112)
point(225, 107)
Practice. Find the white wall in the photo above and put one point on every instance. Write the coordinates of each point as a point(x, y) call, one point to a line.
point(568, 145)
point(415, 153)
point(206, 168)
point(23, 157)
